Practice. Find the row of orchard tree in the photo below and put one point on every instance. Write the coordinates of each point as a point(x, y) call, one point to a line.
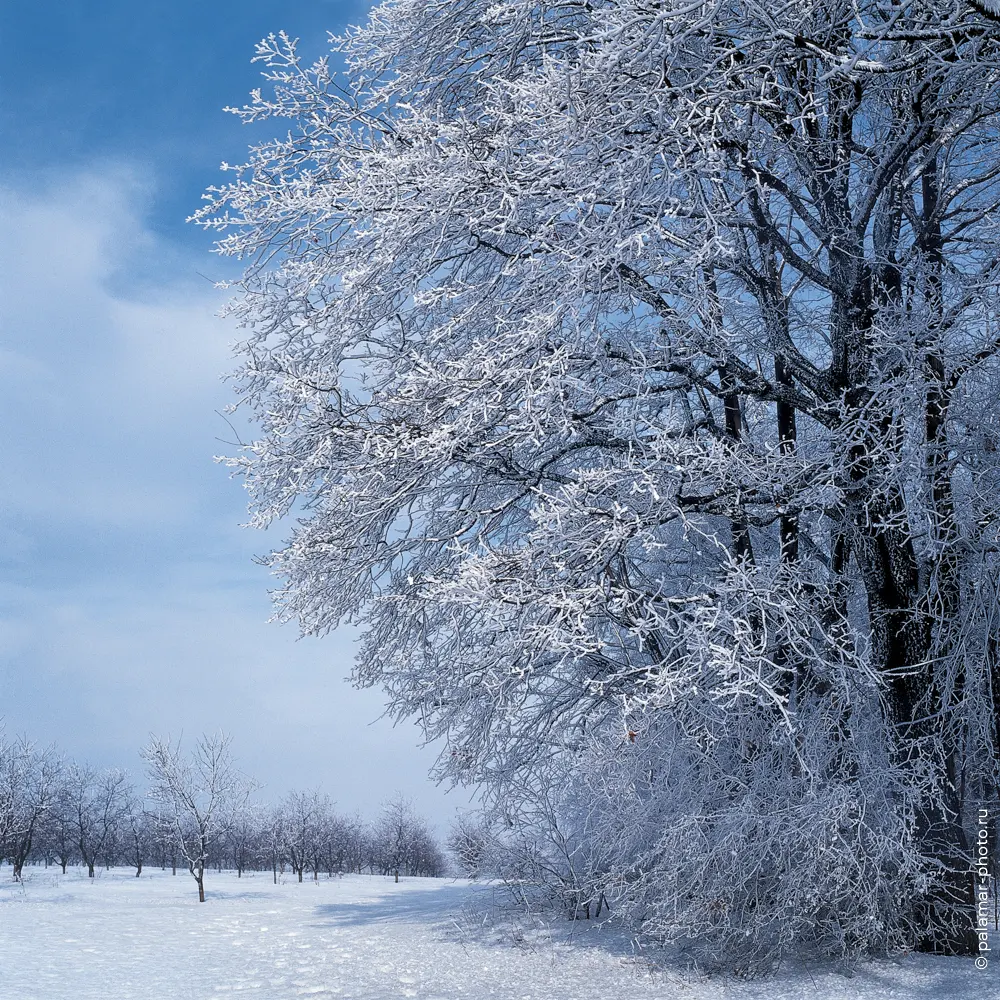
point(198, 813)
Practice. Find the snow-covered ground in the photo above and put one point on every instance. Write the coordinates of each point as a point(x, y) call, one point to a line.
point(122, 938)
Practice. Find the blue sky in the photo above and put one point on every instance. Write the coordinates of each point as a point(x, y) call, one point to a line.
point(129, 601)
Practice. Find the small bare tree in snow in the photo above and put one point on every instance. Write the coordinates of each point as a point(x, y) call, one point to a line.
point(273, 840)
point(195, 790)
point(138, 826)
point(60, 825)
point(401, 842)
point(468, 843)
point(29, 783)
point(352, 843)
point(305, 814)
point(98, 800)
point(244, 828)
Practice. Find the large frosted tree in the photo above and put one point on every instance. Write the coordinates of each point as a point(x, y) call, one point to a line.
point(632, 369)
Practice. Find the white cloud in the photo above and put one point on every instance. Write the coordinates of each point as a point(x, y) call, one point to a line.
point(93, 382)
point(128, 601)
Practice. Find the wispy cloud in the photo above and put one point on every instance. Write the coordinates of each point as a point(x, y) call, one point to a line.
point(128, 600)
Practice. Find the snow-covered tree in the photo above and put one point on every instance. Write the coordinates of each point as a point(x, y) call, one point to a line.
point(273, 838)
point(244, 827)
point(305, 815)
point(634, 368)
point(195, 791)
point(29, 781)
point(401, 843)
point(324, 844)
point(59, 829)
point(468, 842)
point(138, 830)
point(98, 801)
point(351, 846)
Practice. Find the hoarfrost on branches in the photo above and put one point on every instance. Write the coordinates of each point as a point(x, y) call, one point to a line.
point(632, 368)
point(197, 791)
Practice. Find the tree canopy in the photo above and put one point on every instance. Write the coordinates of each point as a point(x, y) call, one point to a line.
point(631, 368)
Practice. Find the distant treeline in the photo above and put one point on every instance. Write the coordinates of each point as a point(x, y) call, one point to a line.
point(198, 813)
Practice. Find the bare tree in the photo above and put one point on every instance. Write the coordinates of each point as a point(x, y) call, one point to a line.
point(29, 780)
point(305, 814)
point(468, 843)
point(275, 839)
point(139, 829)
point(402, 843)
point(196, 791)
point(10, 768)
point(60, 825)
point(164, 843)
point(352, 844)
point(324, 842)
point(98, 801)
point(244, 828)
point(338, 839)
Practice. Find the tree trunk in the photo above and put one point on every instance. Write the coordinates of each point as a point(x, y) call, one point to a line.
point(902, 649)
point(788, 525)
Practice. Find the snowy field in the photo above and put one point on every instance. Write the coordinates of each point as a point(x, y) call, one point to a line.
point(122, 938)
